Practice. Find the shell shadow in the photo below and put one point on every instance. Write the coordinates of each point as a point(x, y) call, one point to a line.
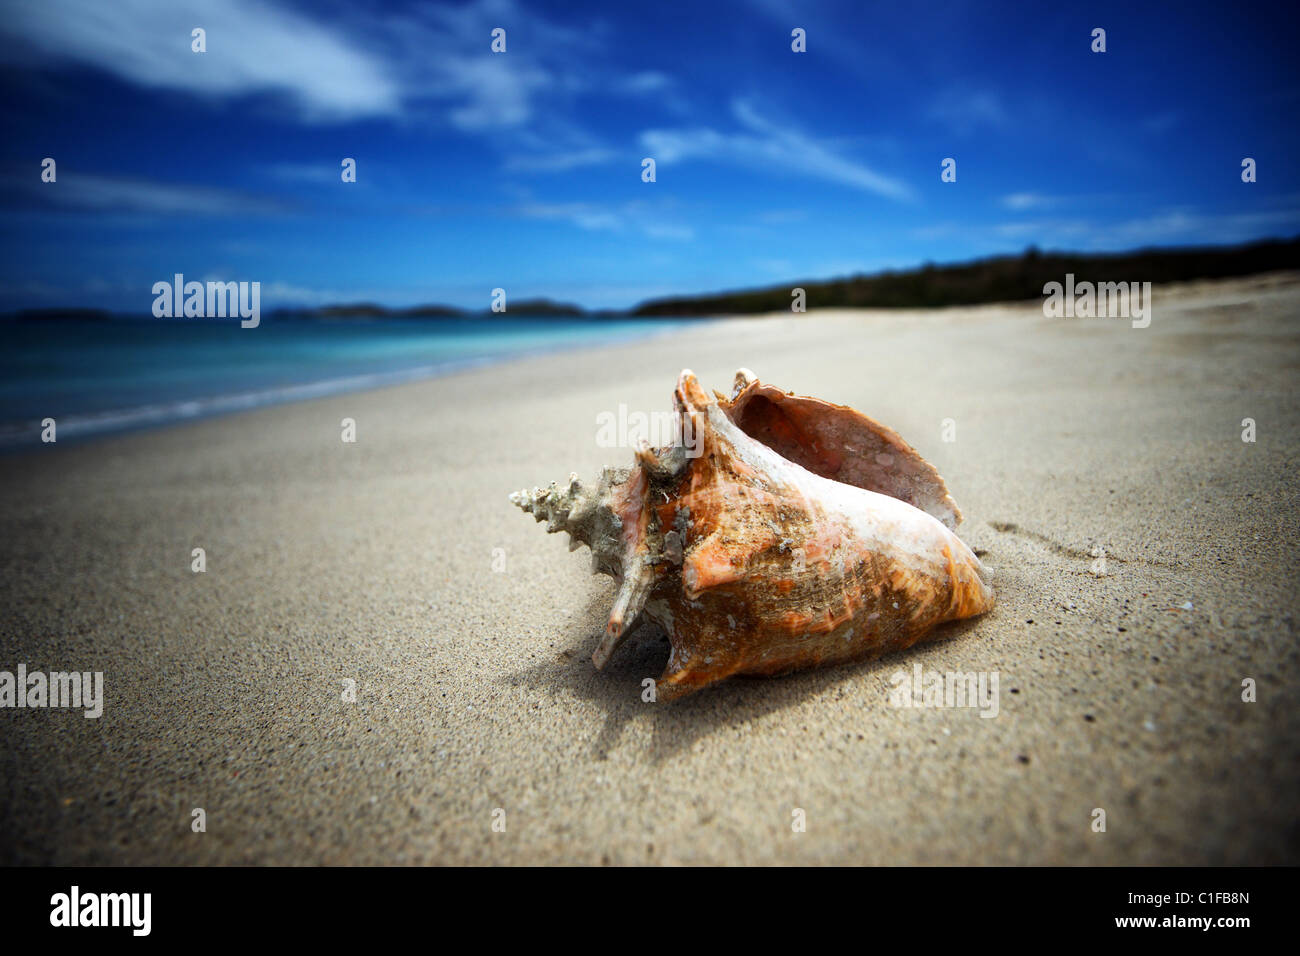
point(675, 727)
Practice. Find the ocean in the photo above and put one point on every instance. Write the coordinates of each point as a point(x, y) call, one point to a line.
point(96, 376)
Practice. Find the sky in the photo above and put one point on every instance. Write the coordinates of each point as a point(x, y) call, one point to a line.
point(522, 170)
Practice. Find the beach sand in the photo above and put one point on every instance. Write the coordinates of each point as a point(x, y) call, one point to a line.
point(374, 562)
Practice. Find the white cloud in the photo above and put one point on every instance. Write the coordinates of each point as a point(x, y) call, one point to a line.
point(772, 146)
point(497, 92)
point(362, 65)
point(253, 48)
point(443, 55)
point(417, 64)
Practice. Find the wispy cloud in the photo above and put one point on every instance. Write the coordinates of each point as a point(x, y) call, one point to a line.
point(113, 194)
point(253, 48)
point(771, 146)
point(824, 38)
point(559, 162)
point(443, 56)
point(415, 65)
point(1192, 225)
point(654, 87)
point(1170, 226)
point(583, 215)
point(357, 65)
point(496, 92)
point(636, 217)
point(1027, 200)
point(647, 81)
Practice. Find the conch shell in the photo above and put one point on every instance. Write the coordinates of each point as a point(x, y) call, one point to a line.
point(777, 533)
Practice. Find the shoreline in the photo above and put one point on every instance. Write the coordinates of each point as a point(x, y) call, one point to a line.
point(18, 435)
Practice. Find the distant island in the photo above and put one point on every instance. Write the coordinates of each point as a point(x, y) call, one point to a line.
point(1007, 278)
point(997, 279)
point(543, 307)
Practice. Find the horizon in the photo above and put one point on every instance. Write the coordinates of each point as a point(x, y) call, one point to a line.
point(523, 170)
point(290, 309)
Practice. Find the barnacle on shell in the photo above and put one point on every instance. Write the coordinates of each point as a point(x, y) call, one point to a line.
point(780, 532)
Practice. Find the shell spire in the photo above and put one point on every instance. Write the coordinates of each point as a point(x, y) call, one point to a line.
point(608, 520)
point(562, 509)
point(776, 533)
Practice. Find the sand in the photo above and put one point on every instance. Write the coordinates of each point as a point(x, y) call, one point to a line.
point(377, 562)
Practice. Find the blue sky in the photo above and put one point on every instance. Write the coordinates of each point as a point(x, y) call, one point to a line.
point(523, 170)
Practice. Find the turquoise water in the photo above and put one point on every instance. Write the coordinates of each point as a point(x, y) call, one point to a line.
point(94, 377)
